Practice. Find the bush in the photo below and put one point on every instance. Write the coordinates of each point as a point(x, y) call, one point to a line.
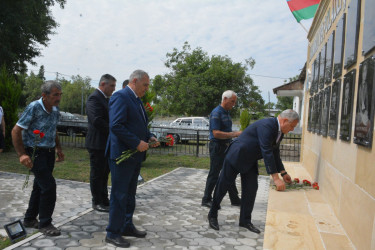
point(244, 119)
point(10, 94)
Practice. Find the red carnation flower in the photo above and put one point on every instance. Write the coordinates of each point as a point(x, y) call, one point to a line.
point(296, 180)
point(41, 134)
point(306, 182)
point(36, 131)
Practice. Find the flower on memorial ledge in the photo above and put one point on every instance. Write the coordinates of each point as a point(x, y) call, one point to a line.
point(38, 136)
point(315, 185)
point(304, 185)
point(168, 140)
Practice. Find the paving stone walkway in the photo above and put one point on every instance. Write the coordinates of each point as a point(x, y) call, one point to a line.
point(168, 208)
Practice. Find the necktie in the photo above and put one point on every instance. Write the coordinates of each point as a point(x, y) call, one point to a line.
point(278, 137)
point(141, 107)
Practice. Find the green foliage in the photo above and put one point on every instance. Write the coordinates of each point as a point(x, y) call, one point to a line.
point(75, 94)
point(244, 119)
point(24, 26)
point(31, 90)
point(284, 102)
point(196, 82)
point(10, 94)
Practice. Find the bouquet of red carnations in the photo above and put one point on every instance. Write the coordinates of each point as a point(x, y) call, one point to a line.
point(168, 140)
point(304, 185)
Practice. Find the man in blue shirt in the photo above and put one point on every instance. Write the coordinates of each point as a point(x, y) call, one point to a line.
point(220, 136)
point(37, 125)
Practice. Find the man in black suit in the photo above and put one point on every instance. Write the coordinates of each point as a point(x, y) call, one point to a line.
point(259, 140)
point(96, 140)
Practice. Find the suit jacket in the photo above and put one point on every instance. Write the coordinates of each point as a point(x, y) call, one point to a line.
point(98, 121)
point(127, 125)
point(257, 141)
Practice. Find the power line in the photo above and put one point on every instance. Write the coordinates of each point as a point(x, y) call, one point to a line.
point(276, 77)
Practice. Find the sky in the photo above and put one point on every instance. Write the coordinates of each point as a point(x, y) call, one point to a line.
point(95, 37)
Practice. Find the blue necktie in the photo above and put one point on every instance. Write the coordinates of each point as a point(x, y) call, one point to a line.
point(141, 107)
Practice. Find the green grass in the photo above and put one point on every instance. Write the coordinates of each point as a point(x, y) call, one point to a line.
point(77, 164)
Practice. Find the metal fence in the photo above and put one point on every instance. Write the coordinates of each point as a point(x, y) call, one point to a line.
point(193, 141)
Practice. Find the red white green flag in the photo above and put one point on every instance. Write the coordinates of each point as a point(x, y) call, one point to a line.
point(303, 9)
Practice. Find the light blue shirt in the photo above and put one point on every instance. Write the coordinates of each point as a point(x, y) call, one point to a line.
point(36, 117)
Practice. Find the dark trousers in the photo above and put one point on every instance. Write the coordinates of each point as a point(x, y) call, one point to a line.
point(217, 154)
point(99, 171)
point(249, 184)
point(124, 187)
point(43, 196)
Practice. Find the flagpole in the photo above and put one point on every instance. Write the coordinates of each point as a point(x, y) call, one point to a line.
point(303, 27)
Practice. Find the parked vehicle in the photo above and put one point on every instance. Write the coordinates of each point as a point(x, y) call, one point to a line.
point(185, 129)
point(72, 124)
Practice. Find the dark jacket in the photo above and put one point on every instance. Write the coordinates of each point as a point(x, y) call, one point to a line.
point(257, 141)
point(98, 121)
point(127, 125)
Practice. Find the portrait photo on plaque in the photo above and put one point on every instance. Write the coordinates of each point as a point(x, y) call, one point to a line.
point(347, 105)
point(325, 110)
point(334, 109)
point(364, 115)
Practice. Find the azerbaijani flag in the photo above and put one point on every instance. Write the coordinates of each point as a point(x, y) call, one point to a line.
point(303, 9)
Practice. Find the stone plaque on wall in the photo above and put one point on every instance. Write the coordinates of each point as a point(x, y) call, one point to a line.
point(322, 66)
point(319, 111)
point(334, 109)
point(347, 106)
point(325, 110)
point(364, 117)
point(315, 113)
point(309, 123)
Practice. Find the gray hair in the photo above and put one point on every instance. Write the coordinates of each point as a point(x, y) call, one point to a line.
point(137, 74)
point(290, 114)
point(228, 94)
point(107, 78)
point(49, 85)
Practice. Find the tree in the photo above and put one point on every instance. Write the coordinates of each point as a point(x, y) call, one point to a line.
point(41, 73)
point(284, 102)
point(10, 93)
point(75, 94)
point(31, 90)
point(24, 26)
point(196, 82)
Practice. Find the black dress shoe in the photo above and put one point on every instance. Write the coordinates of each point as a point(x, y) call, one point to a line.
point(101, 208)
point(118, 242)
point(134, 232)
point(213, 222)
point(207, 204)
point(251, 227)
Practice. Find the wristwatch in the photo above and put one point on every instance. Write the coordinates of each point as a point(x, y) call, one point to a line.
point(282, 174)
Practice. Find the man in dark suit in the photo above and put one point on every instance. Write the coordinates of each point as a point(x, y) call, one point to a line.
point(259, 140)
point(127, 131)
point(96, 140)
